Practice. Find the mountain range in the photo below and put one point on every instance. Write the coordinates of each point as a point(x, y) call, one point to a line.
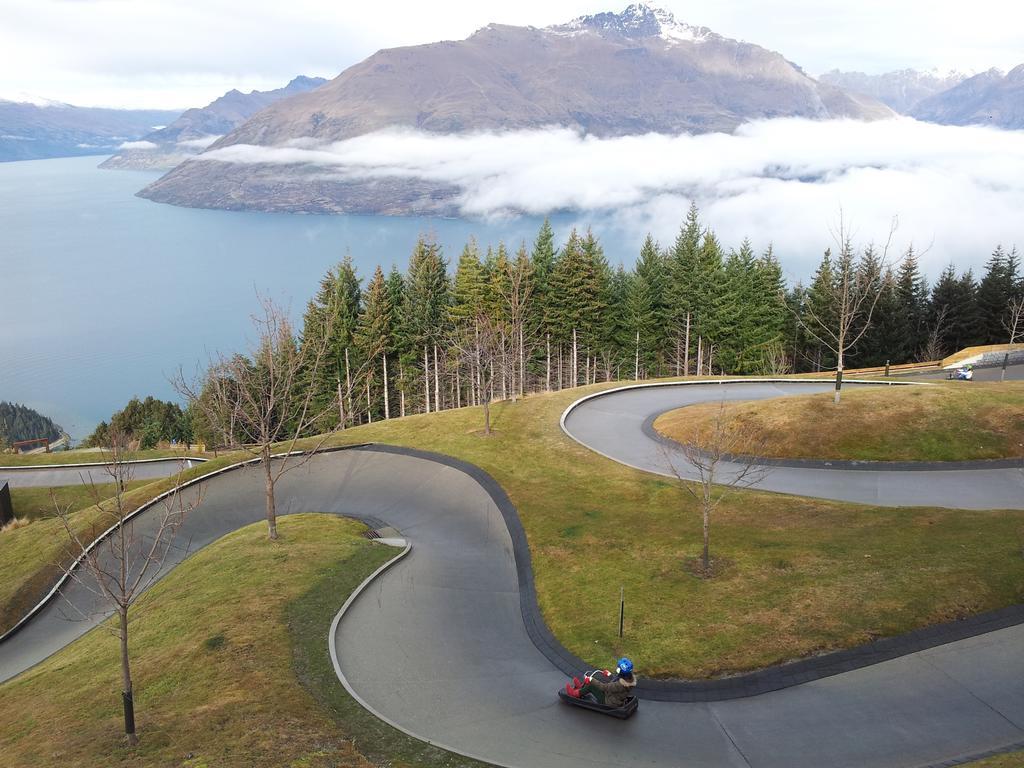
point(197, 128)
point(33, 128)
point(990, 98)
point(609, 74)
point(901, 90)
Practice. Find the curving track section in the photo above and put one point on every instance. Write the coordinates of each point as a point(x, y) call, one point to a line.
point(72, 474)
point(617, 424)
point(443, 644)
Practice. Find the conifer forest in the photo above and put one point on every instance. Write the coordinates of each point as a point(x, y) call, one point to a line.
point(496, 324)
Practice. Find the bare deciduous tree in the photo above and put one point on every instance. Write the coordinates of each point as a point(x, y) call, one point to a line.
point(1013, 320)
point(849, 299)
point(480, 345)
point(710, 464)
point(115, 560)
point(262, 402)
point(934, 348)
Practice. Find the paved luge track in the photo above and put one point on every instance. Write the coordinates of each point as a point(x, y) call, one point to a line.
point(73, 474)
point(617, 425)
point(438, 645)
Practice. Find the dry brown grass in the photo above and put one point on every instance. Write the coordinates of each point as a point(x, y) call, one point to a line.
point(947, 422)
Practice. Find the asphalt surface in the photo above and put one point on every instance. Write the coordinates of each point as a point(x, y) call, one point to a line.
point(438, 645)
point(73, 474)
point(617, 425)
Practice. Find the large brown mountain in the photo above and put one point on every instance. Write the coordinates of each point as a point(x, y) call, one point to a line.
point(986, 99)
point(609, 74)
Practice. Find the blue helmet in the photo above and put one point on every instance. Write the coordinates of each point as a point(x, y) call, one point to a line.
point(625, 666)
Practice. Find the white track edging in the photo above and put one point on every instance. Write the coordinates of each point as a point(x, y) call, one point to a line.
point(700, 382)
point(27, 467)
point(152, 502)
point(359, 699)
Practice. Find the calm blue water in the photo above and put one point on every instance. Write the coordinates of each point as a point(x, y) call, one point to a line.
point(103, 295)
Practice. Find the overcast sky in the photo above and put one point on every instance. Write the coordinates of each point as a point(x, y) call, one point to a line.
point(183, 53)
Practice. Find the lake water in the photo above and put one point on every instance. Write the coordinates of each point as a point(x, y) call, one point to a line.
point(103, 295)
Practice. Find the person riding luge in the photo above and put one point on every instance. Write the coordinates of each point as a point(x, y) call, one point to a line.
point(612, 692)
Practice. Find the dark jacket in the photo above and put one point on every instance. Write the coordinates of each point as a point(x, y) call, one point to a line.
point(616, 690)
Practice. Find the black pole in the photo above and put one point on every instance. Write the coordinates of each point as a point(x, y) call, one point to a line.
point(622, 608)
point(129, 712)
point(1006, 361)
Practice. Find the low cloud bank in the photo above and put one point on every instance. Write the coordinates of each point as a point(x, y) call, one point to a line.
point(780, 181)
point(136, 145)
point(201, 143)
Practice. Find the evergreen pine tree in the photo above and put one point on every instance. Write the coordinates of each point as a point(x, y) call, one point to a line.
point(334, 311)
point(652, 270)
point(375, 339)
point(910, 329)
point(424, 319)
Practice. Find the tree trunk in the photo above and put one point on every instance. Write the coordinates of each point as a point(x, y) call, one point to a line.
point(547, 372)
point(348, 384)
point(686, 348)
point(341, 405)
point(268, 481)
point(369, 405)
point(458, 386)
point(839, 376)
point(522, 363)
point(636, 362)
point(127, 697)
point(387, 402)
point(706, 558)
point(437, 383)
point(504, 369)
point(575, 361)
point(401, 388)
point(487, 416)
point(700, 354)
point(426, 380)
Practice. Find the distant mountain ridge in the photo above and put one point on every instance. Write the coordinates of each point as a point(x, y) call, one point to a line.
point(199, 127)
point(901, 89)
point(990, 98)
point(608, 74)
point(36, 128)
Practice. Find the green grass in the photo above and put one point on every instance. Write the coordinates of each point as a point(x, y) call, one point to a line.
point(803, 576)
point(230, 667)
point(950, 422)
point(83, 456)
point(31, 556)
point(1005, 760)
point(37, 503)
point(806, 575)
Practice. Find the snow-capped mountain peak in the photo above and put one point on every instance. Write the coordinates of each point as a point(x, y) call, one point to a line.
point(28, 98)
point(638, 20)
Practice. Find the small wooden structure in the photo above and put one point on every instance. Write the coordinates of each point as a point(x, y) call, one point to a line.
point(22, 444)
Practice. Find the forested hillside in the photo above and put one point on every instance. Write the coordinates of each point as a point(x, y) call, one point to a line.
point(148, 421)
point(20, 423)
point(500, 323)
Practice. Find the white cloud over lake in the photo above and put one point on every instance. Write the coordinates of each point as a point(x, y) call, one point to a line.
point(201, 143)
point(136, 145)
point(958, 190)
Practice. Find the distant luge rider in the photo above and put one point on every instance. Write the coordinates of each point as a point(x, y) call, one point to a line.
point(611, 692)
